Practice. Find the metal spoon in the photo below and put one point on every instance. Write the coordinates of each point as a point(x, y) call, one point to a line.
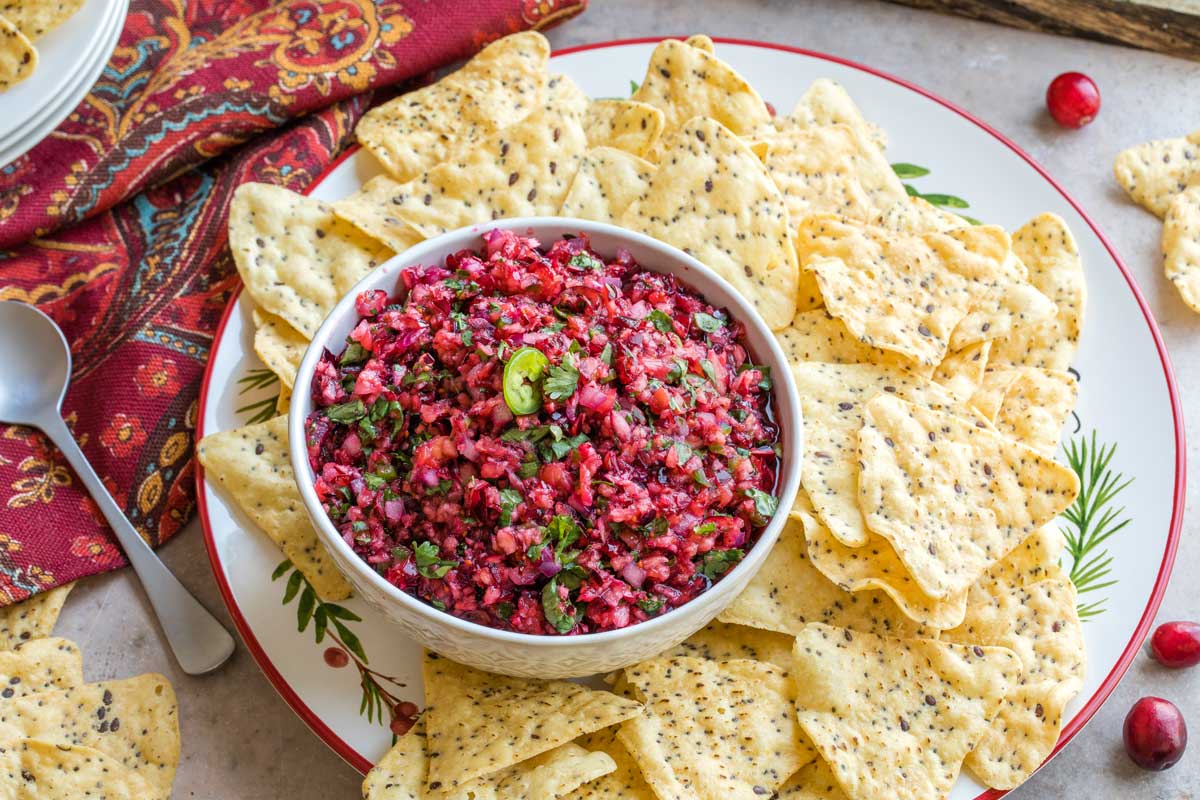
point(37, 368)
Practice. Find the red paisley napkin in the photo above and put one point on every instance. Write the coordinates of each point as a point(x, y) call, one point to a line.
point(115, 227)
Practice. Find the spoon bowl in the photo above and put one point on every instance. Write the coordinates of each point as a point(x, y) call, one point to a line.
point(37, 361)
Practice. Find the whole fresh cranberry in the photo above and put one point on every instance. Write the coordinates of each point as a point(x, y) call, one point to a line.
point(1073, 99)
point(1155, 734)
point(1176, 644)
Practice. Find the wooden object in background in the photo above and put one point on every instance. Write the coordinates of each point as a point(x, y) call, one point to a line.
point(1168, 26)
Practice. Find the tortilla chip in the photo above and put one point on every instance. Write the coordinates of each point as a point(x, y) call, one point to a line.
point(501, 85)
point(903, 293)
point(623, 124)
point(714, 730)
point(825, 102)
point(36, 18)
point(833, 398)
point(992, 389)
point(1048, 250)
point(522, 170)
point(1181, 245)
point(896, 717)
point(719, 641)
point(814, 781)
point(700, 42)
point(608, 182)
point(1038, 622)
point(42, 771)
point(280, 346)
point(952, 497)
point(962, 371)
point(284, 400)
point(401, 774)
point(39, 665)
point(686, 82)
point(789, 592)
point(33, 618)
point(872, 566)
point(624, 783)
point(1154, 172)
point(18, 56)
point(370, 210)
point(1036, 406)
point(818, 336)
point(712, 198)
point(479, 723)
point(253, 464)
point(133, 721)
point(918, 215)
point(295, 257)
point(832, 169)
point(1034, 560)
point(1008, 302)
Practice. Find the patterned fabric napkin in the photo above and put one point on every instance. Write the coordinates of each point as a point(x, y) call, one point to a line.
point(115, 227)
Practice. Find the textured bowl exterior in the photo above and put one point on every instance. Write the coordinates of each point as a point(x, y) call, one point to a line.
point(553, 656)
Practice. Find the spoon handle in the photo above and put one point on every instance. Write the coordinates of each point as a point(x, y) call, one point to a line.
point(198, 640)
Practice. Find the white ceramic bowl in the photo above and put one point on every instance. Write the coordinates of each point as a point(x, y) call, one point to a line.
point(526, 654)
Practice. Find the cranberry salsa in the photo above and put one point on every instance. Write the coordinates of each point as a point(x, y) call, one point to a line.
point(544, 440)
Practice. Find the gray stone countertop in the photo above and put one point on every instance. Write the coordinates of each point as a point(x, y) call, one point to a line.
point(241, 741)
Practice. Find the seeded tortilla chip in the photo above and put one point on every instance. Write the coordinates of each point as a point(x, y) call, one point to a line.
point(962, 371)
point(39, 665)
point(18, 57)
point(1036, 404)
point(33, 618)
point(1038, 622)
point(370, 210)
point(253, 464)
point(608, 182)
point(502, 84)
point(623, 783)
point(478, 723)
point(789, 592)
point(833, 397)
point(401, 774)
point(832, 169)
point(42, 771)
point(1035, 559)
point(133, 721)
point(902, 293)
point(295, 257)
point(825, 102)
point(522, 170)
point(818, 336)
point(685, 82)
point(952, 497)
point(896, 717)
point(1008, 302)
point(1154, 172)
point(713, 198)
point(623, 124)
point(1181, 245)
point(279, 345)
point(36, 18)
point(719, 641)
point(872, 566)
point(918, 215)
point(1048, 250)
point(700, 42)
point(714, 730)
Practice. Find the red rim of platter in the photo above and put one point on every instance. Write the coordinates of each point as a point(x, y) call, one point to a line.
point(362, 764)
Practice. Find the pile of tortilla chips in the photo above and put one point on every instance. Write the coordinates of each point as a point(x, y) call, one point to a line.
point(23, 22)
point(912, 617)
point(64, 739)
point(1164, 176)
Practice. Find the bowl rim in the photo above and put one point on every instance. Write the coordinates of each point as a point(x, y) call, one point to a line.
point(782, 379)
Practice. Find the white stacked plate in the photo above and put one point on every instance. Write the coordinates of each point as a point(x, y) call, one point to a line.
point(70, 59)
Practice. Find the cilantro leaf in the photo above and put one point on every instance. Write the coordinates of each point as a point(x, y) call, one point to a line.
point(682, 452)
point(429, 562)
point(563, 533)
point(353, 354)
point(661, 321)
point(509, 500)
point(707, 322)
point(586, 261)
point(717, 562)
point(651, 605)
point(764, 503)
point(561, 380)
point(561, 614)
point(561, 447)
point(347, 413)
point(710, 371)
